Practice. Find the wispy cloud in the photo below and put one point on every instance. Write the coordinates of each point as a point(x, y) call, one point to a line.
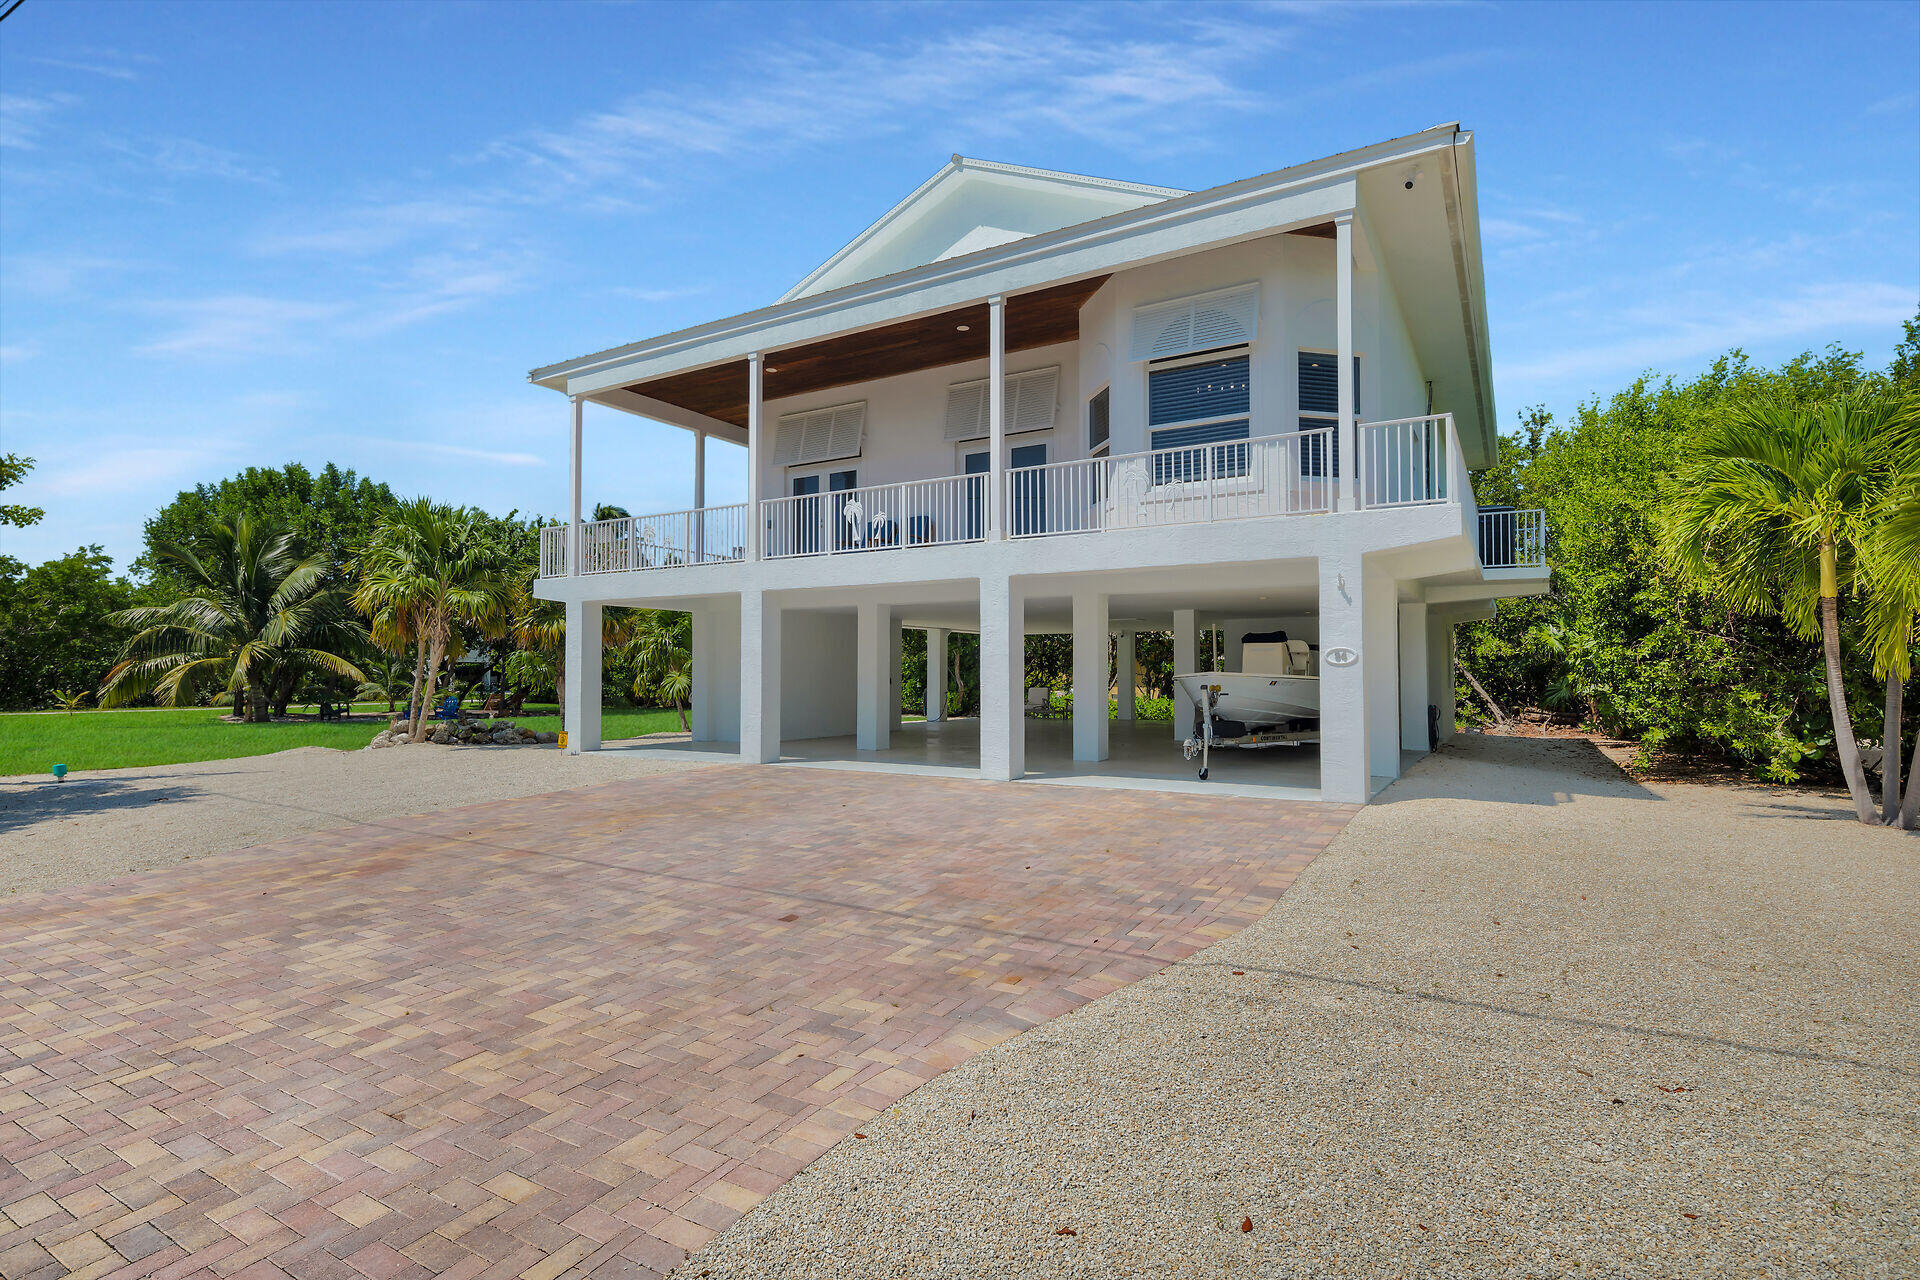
point(23, 116)
point(1073, 72)
point(1689, 327)
point(15, 352)
point(495, 456)
point(112, 64)
point(117, 465)
point(236, 324)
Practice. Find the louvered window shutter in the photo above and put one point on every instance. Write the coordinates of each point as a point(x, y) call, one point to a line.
point(967, 410)
point(1030, 400)
point(1029, 405)
point(786, 441)
point(1222, 318)
point(819, 435)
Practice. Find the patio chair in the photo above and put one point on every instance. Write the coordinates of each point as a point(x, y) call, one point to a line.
point(1039, 698)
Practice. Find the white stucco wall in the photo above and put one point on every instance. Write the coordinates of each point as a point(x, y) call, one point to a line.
point(817, 678)
point(906, 415)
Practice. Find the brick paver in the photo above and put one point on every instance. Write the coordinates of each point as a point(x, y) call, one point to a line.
point(565, 1035)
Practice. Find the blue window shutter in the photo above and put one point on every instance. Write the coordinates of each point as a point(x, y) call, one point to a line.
point(1211, 389)
point(1320, 384)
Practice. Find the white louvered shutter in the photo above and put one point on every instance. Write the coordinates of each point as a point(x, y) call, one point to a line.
point(820, 435)
point(967, 410)
point(1030, 400)
point(1222, 318)
point(848, 425)
point(786, 441)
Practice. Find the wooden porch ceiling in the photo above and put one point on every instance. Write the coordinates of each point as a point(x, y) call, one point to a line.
point(1036, 319)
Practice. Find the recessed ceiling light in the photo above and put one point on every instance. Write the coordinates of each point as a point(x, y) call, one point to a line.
point(963, 327)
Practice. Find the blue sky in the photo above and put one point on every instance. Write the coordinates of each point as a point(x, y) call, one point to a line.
point(237, 234)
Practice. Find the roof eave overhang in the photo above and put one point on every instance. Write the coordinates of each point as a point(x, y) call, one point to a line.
point(1298, 196)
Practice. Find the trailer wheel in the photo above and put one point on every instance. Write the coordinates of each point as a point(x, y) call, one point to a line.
point(1203, 775)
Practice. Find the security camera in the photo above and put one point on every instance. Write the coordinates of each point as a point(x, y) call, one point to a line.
point(1409, 184)
point(1413, 176)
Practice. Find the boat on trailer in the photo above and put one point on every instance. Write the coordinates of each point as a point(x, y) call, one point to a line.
point(1273, 701)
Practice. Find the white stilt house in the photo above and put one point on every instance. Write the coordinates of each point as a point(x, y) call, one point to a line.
point(1026, 402)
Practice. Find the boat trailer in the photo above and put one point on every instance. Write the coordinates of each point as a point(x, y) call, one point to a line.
point(1206, 735)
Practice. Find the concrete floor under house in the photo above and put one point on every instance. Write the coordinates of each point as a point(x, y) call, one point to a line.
point(825, 682)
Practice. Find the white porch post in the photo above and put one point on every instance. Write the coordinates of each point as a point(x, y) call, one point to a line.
point(1349, 442)
point(936, 709)
point(1003, 674)
point(1380, 656)
point(894, 642)
point(997, 417)
point(1124, 674)
point(1089, 674)
point(575, 539)
point(1413, 677)
point(699, 497)
point(1344, 766)
point(1440, 669)
point(873, 723)
point(759, 678)
point(703, 660)
point(1186, 625)
point(583, 677)
point(756, 452)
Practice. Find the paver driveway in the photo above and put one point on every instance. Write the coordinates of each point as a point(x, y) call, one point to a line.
point(568, 1034)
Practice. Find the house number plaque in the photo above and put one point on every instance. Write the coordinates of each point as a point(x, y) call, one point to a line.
point(1341, 656)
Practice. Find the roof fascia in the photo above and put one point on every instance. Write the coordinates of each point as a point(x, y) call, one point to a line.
point(1113, 249)
point(768, 327)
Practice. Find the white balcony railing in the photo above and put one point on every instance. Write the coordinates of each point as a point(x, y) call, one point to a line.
point(553, 551)
point(704, 535)
point(1410, 461)
point(878, 517)
point(1511, 539)
point(1271, 476)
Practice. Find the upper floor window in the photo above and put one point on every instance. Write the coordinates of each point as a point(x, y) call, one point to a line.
point(1200, 400)
point(1097, 423)
point(1320, 407)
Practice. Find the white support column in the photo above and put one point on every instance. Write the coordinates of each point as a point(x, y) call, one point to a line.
point(1089, 674)
point(873, 723)
point(1344, 765)
point(1186, 626)
point(894, 644)
point(1413, 677)
point(699, 497)
point(583, 677)
point(1380, 655)
point(756, 453)
point(1124, 676)
point(703, 660)
point(759, 678)
point(997, 417)
point(575, 540)
point(936, 708)
point(1440, 669)
point(1349, 447)
point(1003, 677)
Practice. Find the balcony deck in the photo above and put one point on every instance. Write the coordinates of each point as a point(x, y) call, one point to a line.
point(1405, 462)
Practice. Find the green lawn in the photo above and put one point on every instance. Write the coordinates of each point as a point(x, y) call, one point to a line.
point(124, 739)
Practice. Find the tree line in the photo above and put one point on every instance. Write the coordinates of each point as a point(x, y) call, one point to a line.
point(1733, 569)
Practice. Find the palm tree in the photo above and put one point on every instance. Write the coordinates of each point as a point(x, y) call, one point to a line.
point(1770, 512)
point(69, 701)
point(425, 573)
point(541, 626)
point(390, 679)
point(663, 648)
point(252, 615)
point(1892, 570)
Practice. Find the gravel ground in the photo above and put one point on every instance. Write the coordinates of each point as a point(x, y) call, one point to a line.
point(1524, 1018)
point(106, 823)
